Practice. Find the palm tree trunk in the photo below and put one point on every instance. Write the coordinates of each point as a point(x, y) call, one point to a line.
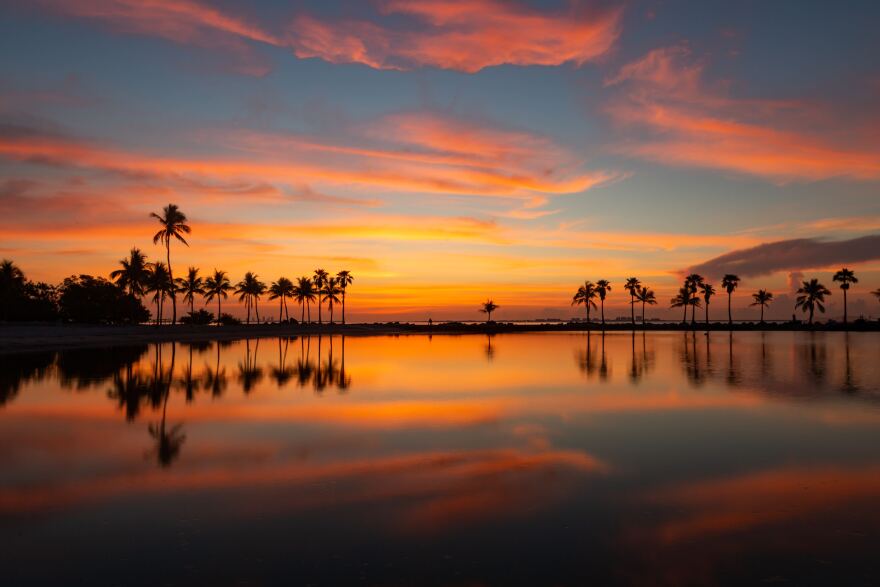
point(603, 312)
point(632, 309)
point(729, 315)
point(707, 313)
point(319, 308)
point(302, 315)
point(643, 313)
point(218, 309)
point(343, 305)
point(171, 279)
point(762, 313)
point(844, 307)
point(811, 314)
point(257, 310)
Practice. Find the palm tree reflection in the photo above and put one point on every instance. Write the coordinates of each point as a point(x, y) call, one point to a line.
point(168, 442)
point(249, 373)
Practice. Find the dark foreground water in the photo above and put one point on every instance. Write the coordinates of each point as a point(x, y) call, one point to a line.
point(534, 459)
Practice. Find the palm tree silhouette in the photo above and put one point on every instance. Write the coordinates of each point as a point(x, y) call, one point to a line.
point(632, 285)
point(319, 279)
point(282, 373)
point(331, 291)
point(174, 225)
point(586, 295)
point(708, 290)
point(487, 308)
point(304, 294)
point(729, 282)
point(845, 277)
point(217, 286)
point(811, 295)
point(762, 298)
point(602, 288)
point(645, 296)
point(11, 280)
point(168, 442)
point(134, 273)
point(249, 291)
point(160, 285)
point(191, 286)
point(281, 289)
point(682, 300)
point(344, 279)
point(215, 379)
point(693, 283)
point(249, 372)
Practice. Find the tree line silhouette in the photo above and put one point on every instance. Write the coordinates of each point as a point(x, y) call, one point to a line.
point(696, 290)
point(85, 298)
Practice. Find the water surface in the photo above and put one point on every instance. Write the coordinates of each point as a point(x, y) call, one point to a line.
point(566, 459)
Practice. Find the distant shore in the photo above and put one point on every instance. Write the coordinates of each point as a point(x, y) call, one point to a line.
point(23, 337)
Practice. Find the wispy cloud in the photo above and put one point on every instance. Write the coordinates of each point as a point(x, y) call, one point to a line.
point(464, 35)
point(691, 123)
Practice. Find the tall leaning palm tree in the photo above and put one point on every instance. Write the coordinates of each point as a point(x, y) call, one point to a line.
point(217, 286)
point(249, 291)
point(729, 282)
point(304, 294)
point(845, 278)
point(487, 308)
point(708, 290)
point(811, 295)
point(632, 285)
point(132, 277)
point(586, 295)
point(602, 288)
point(344, 279)
point(762, 298)
point(645, 296)
point(191, 286)
point(319, 278)
point(174, 226)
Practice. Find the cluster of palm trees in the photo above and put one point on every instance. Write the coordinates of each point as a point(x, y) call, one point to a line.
point(696, 290)
point(140, 278)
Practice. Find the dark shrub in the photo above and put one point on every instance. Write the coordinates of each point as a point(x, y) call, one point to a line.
point(229, 319)
point(95, 300)
point(199, 317)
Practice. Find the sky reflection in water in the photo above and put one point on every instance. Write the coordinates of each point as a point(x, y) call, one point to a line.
point(530, 458)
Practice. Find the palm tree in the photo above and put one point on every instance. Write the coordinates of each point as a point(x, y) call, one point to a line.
point(281, 289)
point(249, 291)
point(11, 280)
point(487, 308)
point(586, 295)
point(217, 286)
point(174, 225)
point(331, 291)
point(160, 285)
point(876, 294)
point(603, 287)
point(304, 294)
point(693, 283)
point(632, 285)
point(708, 290)
point(682, 300)
point(762, 298)
point(134, 273)
point(811, 295)
point(845, 277)
point(645, 296)
point(191, 286)
point(344, 279)
point(729, 282)
point(319, 278)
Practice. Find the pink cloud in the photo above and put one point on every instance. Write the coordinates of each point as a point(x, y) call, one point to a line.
point(463, 35)
point(691, 123)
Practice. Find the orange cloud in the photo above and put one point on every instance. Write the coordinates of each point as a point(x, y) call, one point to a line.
point(421, 154)
point(464, 35)
point(698, 126)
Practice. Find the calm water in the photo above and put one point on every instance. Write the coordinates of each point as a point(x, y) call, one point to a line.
point(666, 458)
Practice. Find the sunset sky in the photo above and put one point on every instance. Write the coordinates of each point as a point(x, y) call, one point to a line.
point(446, 151)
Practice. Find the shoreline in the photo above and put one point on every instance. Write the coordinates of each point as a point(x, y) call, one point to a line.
point(26, 337)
